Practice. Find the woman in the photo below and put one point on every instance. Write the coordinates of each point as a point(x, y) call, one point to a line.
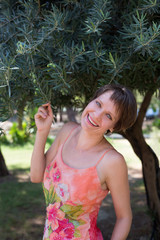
point(81, 167)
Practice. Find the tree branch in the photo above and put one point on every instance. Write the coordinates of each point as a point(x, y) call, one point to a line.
point(144, 106)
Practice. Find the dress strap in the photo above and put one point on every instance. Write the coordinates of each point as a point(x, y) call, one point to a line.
point(69, 134)
point(103, 155)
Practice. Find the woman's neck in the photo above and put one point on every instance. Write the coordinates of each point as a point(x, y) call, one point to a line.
point(85, 140)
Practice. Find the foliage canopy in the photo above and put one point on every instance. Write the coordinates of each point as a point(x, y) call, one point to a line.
point(56, 52)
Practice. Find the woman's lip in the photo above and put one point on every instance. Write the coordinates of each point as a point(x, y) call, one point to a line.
point(91, 121)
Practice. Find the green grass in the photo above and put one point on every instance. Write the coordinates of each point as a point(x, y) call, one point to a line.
point(124, 147)
point(22, 205)
point(19, 157)
point(20, 202)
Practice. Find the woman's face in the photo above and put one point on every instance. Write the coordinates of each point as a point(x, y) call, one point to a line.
point(100, 115)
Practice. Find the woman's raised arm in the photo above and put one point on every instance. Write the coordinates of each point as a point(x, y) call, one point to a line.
point(43, 120)
point(40, 159)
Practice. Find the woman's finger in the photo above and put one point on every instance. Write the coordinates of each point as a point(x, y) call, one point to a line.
point(40, 115)
point(44, 110)
point(50, 113)
point(48, 108)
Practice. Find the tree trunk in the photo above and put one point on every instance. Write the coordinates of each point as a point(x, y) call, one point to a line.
point(20, 112)
point(150, 165)
point(3, 168)
point(71, 114)
point(61, 114)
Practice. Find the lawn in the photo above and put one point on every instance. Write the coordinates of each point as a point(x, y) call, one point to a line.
point(22, 206)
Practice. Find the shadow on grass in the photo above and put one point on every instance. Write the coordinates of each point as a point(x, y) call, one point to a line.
point(22, 209)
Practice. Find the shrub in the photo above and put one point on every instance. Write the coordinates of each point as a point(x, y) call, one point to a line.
point(156, 123)
point(19, 136)
point(3, 138)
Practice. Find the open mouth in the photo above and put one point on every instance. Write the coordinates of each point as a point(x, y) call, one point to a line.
point(91, 121)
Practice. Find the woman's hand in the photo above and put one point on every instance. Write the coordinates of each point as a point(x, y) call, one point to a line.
point(44, 118)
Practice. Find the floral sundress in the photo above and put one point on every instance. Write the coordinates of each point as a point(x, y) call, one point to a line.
point(73, 198)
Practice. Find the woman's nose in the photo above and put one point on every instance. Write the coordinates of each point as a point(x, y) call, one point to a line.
point(98, 114)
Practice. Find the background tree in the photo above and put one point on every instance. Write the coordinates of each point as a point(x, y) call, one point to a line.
point(64, 50)
point(3, 168)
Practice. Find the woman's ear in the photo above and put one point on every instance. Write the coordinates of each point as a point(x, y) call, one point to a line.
point(111, 130)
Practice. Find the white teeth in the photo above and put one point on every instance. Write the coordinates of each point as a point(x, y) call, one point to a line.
point(92, 121)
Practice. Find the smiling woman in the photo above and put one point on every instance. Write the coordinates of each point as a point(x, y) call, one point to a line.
point(125, 102)
point(79, 170)
point(100, 114)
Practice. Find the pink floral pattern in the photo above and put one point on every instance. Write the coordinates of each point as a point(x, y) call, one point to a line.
point(61, 222)
point(55, 236)
point(65, 229)
point(54, 214)
point(55, 165)
point(73, 198)
point(57, 176)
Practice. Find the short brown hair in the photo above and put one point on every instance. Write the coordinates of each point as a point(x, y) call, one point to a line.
point(125, 102)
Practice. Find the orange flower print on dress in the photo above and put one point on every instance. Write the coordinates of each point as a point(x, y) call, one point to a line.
point(55, 236)
point(54, 214)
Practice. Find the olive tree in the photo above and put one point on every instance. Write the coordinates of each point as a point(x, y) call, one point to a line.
point(63, 50)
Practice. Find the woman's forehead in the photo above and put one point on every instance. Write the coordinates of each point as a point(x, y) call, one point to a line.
point(106, 96)
point(106, 99)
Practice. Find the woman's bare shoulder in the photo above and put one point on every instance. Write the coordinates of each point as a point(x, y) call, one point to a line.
point(113, 168)
point(114, 160)
point(60, 138)
point(116, 155)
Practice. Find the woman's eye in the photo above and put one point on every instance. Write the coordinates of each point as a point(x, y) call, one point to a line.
point(98, 104)
point(109, 116)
